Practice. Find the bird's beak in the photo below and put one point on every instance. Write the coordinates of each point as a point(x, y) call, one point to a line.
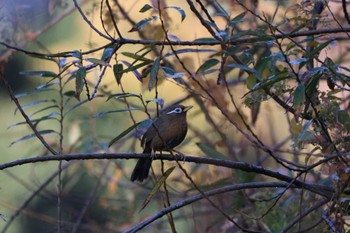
point(187, 108)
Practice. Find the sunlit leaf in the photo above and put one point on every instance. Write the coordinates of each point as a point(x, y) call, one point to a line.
point(295, 127)
point(157, 186)
point(251, 81)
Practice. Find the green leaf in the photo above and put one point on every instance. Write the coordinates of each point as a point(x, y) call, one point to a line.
point(76, 54)
point(138, 57)
point(23, 94)
point(157, 186)
point(121, 95)
point(32, 136)
point(305, 134)
point(207, 65)
point(108, 52)
point(79, 81)
point(159, 101)
point(97, 62)
point(145, 8)
point(182, 12)
point(318, 49)
point(142, 23)
point(79, 104)
point(343, 118)
point(69, 93)
point(33, 104)
point(206, 40)
point(122, 134)
point(43, 109)
point(251, 81)
point(243, 67)
point(100, 114)
point(210, 152)
point(154, 74)
point(271, 80)
point(118, 72)
point(44, 74)
point(35, 122)
point(134, 68)
point(237, 19)
point(299, 95)
point(142, 128)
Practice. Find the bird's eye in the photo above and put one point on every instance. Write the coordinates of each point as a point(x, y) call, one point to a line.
point(176, 110)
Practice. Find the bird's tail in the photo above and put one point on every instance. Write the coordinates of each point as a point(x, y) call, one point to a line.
point(142, 168)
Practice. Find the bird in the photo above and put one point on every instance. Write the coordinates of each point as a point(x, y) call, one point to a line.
point(165, 133)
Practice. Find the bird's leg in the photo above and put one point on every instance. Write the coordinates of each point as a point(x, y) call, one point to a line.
point(153, 154)
point(181, 155)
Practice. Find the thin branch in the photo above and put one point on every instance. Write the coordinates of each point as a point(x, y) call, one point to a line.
point(203, 22)
point(303, 214)
point(198, 197)
point(322, 190)
point(89, 22)
point(25, 116)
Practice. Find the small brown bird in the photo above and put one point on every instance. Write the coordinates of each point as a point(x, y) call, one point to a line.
point(165, 133)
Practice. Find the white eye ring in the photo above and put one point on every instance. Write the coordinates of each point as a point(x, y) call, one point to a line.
point(176, 110)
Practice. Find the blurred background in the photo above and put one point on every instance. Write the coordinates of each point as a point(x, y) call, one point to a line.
point(97, 195)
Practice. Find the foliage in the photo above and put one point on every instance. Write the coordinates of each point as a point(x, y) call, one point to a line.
point(271, 101)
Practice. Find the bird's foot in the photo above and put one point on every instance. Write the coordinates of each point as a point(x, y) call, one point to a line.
point(153, 154)
point(181, 157)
